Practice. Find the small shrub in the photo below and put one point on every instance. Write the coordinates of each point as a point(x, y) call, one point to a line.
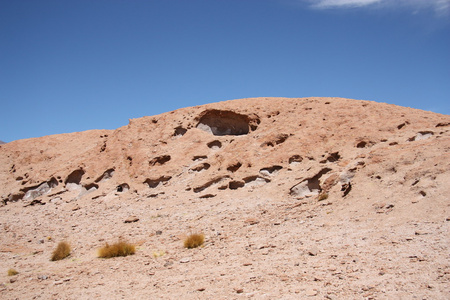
point(120, 248)
point(194, 240)
point(12, 272)
point(61, 251)
point(322, 196)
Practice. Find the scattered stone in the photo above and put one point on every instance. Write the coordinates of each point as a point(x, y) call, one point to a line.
point(311, 292)
point(34, 202)
point(207, 196)
point(131, 219)
point(168, 263)
point(158, 232)
point(383, 208)
point(57, 201)
point(239, 291)
point(313, 251)
point(419, 232)
point(251, 221)
point(185, 260)
point(284, 277)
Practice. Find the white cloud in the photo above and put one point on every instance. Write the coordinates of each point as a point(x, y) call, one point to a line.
point(342, 3)
point(441, 7)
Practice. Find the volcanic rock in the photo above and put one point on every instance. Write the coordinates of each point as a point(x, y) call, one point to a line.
point(359, 180)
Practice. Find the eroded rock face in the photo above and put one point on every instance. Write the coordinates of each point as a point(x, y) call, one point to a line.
point(309, 186)
point(266, 179)
point(218, 147)
point(34, 192)
point(222, 122)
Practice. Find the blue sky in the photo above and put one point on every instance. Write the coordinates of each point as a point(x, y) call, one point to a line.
point(69, 66)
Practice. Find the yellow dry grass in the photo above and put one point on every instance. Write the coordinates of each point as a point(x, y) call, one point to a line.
point(194, 240)
point(61, 251)
point(120, 248)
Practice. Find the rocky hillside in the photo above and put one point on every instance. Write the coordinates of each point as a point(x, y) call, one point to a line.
point(320, 197)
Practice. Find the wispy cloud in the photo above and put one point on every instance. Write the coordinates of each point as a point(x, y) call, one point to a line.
point(342, 3)
point(441, 7)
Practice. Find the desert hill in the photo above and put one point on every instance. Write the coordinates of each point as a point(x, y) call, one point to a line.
point(312, 197)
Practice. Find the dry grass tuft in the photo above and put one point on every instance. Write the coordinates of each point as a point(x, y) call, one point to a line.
point(194, 240)
point(61, 251)
point(120, 248)
point(12, 272)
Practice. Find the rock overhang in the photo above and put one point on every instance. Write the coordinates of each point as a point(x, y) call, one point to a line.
point(226, 122)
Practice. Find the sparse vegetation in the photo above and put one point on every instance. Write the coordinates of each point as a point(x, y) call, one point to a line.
point(322, 196)
point(120, 248)
point(12, 272)
point(159, 253)
point(61, 251)
point(194, 240)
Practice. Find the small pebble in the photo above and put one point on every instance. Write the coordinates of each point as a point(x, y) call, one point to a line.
point(185, 260)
